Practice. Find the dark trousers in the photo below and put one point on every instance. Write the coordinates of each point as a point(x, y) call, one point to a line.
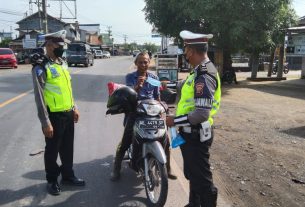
point(127, 136)
point(197, 170)
point(61, 143)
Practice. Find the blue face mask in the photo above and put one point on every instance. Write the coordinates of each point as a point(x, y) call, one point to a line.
point(153, 82)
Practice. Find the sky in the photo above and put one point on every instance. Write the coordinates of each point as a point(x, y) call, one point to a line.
point(125, 17)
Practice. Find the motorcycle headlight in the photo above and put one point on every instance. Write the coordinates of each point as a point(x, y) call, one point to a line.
point(153, 110)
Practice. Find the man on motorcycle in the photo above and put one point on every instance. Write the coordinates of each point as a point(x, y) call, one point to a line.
point(145, 90)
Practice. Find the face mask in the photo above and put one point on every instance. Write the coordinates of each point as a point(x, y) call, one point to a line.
point(58, 51)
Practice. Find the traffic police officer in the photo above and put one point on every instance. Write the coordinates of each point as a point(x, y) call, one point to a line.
point(199, 102)
point(56, 111)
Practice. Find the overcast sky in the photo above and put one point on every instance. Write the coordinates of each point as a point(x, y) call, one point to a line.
point(124, 16)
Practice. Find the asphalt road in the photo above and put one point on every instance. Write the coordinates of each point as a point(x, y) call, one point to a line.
point(22, 177)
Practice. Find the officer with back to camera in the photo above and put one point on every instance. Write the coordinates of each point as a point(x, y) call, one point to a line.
point(56, 111)
point(199, 102)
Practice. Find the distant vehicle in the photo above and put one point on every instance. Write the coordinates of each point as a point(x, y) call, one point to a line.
point(80, 53)
point(135, 52)
point(98, 54)
point(106, 54)
point(276, 66)
point(7, 58)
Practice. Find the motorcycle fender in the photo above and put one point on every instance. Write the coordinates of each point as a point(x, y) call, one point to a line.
point(156, 149)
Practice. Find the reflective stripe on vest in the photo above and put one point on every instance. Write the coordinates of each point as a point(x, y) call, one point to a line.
point(58, 91)
point(186, 103)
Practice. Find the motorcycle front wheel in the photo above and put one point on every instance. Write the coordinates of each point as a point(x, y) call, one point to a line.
point(156, 185)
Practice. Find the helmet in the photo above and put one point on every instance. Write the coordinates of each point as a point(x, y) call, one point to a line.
point(122, 100)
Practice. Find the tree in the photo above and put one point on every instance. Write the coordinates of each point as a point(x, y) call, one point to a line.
point(5, 43)
point(150, 47)
point(237, 25)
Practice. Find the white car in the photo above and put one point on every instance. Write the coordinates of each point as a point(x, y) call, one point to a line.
point(98, 54)
point(135, 52)
point(106, 54)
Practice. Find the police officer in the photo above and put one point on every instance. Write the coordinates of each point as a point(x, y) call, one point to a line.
point(199, 101)
point(56, 111)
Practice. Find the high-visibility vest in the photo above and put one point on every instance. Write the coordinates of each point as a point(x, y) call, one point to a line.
point(186, 103)
point(58, 91)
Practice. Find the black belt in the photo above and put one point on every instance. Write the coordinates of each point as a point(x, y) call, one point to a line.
point(64, 111)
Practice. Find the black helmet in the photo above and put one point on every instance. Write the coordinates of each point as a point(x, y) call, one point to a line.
point(122, 100)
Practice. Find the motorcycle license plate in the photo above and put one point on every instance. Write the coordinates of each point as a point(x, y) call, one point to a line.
point(152, 124)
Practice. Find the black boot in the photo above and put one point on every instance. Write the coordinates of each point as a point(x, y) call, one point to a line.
point(116, 172)
point(194, 200)
point(209, 199)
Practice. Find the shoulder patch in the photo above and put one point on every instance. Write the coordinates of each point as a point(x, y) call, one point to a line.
point(199, 88)
point(39, 71)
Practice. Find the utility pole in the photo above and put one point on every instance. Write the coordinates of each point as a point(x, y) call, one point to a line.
point(109, 31)
point(125, 39)
point(44, 16)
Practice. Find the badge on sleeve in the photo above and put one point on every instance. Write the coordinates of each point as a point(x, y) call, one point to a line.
point(199, 88)
point(39, 71)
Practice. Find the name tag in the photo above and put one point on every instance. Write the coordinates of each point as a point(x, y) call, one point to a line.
point(206, 131)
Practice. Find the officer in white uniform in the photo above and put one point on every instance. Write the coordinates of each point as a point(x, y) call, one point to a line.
point(199, 102)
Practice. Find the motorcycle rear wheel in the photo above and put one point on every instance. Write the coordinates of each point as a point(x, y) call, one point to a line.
point(157, 187)
point(286, 70)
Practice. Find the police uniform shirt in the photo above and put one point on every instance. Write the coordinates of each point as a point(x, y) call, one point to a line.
point(205, 85)
point(148, 91)
point(39, 81)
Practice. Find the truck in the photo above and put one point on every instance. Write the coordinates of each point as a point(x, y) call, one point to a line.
point(167, 69)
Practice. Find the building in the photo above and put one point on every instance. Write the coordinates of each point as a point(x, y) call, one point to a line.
point(295, 51)
point(90, 33)
point(5, 36)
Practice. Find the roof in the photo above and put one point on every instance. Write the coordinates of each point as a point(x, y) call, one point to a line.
point(36, 14)
point(297, 29)
point(89, 24)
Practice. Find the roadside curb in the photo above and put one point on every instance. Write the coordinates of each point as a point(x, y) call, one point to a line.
point(185, 184)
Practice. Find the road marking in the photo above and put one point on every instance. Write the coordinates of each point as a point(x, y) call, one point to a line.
point(180, 176)
point(77, 72)
point(22, 95)
point(15, 98)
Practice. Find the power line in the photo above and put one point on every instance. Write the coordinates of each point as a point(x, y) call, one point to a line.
point(11, 12)
point(4, 20)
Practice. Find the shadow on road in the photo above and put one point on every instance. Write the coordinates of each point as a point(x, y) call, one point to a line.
point(298, 132)
point(99, 190)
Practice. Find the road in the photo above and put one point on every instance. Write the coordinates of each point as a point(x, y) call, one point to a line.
point(22, 177)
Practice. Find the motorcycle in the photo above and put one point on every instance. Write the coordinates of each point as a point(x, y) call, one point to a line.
point(275, 68)
point(229, 76)
point(146, 154)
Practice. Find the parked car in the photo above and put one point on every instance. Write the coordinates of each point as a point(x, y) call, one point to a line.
point(7, 58)
point(98, 53)
point(135, 52)
point(80, 53)
point(106, 54)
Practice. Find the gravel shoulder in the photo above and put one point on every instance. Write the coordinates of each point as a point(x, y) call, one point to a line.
point(258, 155)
